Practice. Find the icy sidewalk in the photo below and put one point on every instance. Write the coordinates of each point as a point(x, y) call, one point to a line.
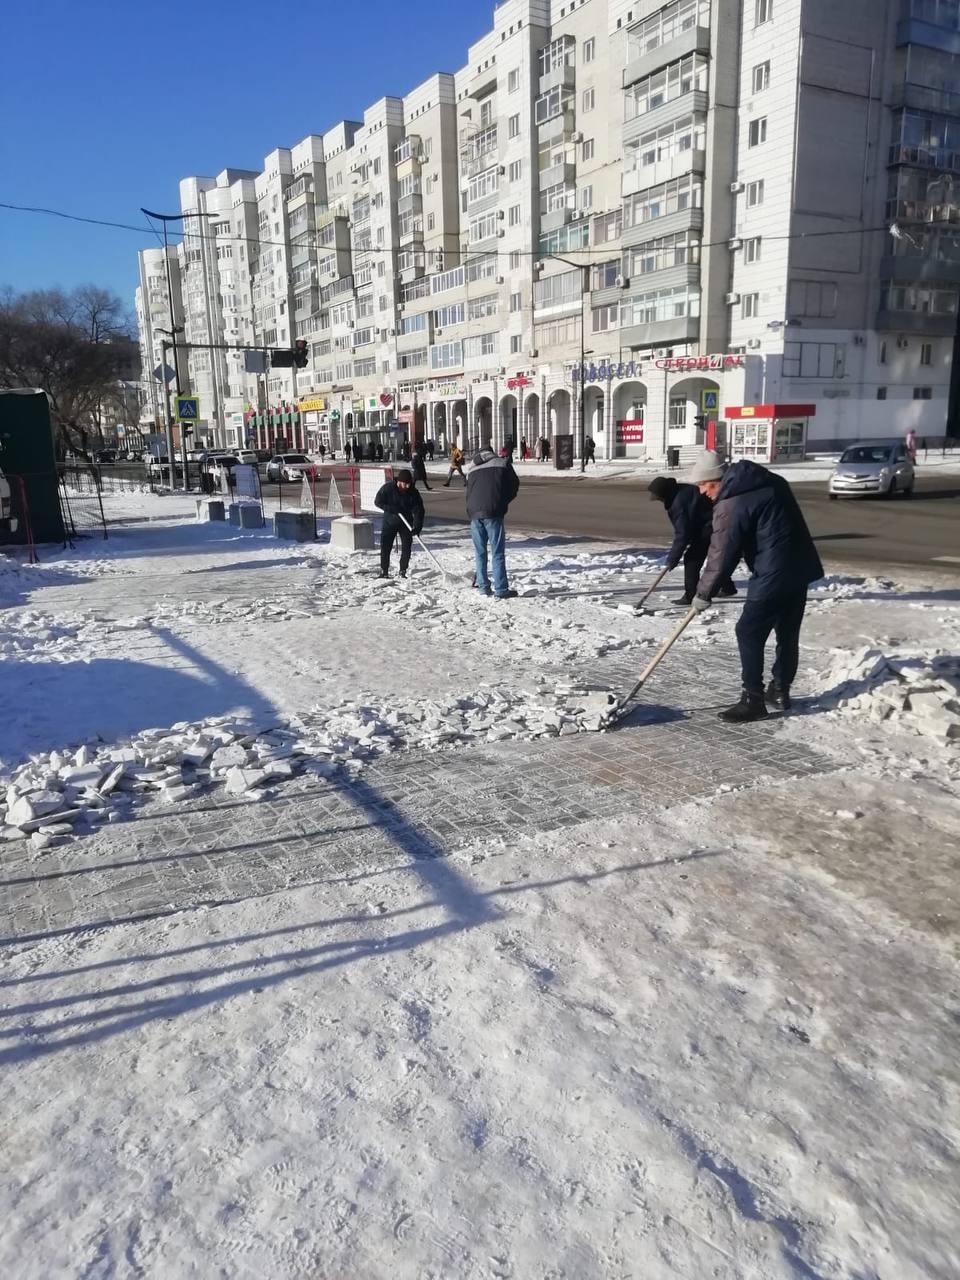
point(675, 1000)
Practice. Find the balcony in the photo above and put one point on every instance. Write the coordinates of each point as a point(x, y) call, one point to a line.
point(921, 97)
point(919, 268)
point(932, 325)
point(558, 216)
point(913, 31)
point(694, 103)
point(668, 225)
point(661, 333)
point(479, 152)
point(923, 211)
point(693, 40)
point(562, 174)
point(408, 149)
point(412, 235)
point(412, 203)
point(563, 77)
point(924, 157)
point(674, 165)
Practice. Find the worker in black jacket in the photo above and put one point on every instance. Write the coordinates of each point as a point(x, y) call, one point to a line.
point(398, 498)
point(691, 514)
point(757, 517)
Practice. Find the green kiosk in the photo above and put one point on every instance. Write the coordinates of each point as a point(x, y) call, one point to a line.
point(27, 454)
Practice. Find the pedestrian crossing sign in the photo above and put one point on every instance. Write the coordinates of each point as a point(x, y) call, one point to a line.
point(188, 409)
point(710, 400)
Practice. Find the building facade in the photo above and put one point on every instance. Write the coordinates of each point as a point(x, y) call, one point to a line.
point(642, 213)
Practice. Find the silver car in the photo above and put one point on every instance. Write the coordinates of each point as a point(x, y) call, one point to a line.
point(877, 467)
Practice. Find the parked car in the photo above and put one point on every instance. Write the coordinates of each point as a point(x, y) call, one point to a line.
point(216, 465)
point(875, 466)
point(8, 521)
point(288, 466)
point(103, 456)
point(158, 470)
point(248, 457)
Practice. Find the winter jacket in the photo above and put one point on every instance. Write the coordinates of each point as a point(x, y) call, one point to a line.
point(756, 517)
point(456, 457)
point(691, 514)
point(491, 486)
point(419, 469)
point(394, 502)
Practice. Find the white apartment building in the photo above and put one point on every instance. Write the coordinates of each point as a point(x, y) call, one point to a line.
point(157, 312)
point(646, 213)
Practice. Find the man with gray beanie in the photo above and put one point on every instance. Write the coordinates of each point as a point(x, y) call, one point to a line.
point(756, 517)
point(491, 486)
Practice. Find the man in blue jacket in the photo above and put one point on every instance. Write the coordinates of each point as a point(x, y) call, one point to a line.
point(756, 517)
point(691, 514)
point(403, 515)
point(491, 486)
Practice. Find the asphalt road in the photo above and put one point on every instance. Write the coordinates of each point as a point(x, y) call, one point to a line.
point(868, 531)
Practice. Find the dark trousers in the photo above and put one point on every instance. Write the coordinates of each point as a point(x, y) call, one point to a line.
point(391, 529)
point(783, 615)
point(693, 561)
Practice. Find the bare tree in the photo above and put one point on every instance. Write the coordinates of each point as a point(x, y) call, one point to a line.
point(75, 346)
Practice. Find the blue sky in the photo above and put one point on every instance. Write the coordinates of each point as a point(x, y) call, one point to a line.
point(105, 106)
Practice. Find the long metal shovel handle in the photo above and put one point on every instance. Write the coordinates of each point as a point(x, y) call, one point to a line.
point(652, 588)
point(659, 656)
point(446, 573)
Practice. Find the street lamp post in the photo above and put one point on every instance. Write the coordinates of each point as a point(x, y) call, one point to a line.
point(584, 270)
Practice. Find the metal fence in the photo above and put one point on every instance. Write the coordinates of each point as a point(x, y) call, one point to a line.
point(81, 500)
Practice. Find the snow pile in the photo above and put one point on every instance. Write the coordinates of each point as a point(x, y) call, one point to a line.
point(919, 693)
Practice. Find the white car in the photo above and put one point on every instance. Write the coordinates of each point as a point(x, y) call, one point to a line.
point(217, 465)
point(875, 466)
point(288, 466)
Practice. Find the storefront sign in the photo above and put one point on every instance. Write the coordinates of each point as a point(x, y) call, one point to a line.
point(358, 405)
point(630, 431)
point(448, 387)
point(604, 370)
point(315, 405)
point(717, 363)
point(513, 384)
point(406, 415)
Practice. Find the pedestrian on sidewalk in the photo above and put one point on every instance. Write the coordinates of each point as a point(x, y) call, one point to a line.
point(524, 449)
point(379, 452)
point(431, 450)
point(347, 450)
point(911, 443)
point(691, 514)
point(396, 498)
point(456, 467)
point(419, 467)
point(491, 486)
point(756, 517)
point(589, 451)
point(323, 453)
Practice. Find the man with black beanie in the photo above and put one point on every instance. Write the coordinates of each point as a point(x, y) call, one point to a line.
point(398, 497)
point(691, 515)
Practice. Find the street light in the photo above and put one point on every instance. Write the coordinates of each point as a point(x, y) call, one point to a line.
point(584, 282)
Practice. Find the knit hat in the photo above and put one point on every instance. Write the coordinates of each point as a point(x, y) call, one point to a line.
point(482, 456)
point(663, 489)
point(709, 466)
point(404, 477)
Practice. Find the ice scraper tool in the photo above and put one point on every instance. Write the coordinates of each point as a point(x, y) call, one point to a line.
point(638, 607)
point(619, 710)
point(446, 572)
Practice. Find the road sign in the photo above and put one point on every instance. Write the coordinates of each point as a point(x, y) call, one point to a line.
point(710, 400)
point(188, 409)
point(163, 373)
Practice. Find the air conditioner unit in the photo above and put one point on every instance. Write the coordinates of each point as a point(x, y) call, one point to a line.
point(502, 372)
point(500, 215)
point(731, 299)
point(533, 355)
point(576, 137)
point(502, 170)
point(392, 333)
point(734, 243)
point(500, 234)
point(736, 188)
point(858, 340)
point(902, 344)
point(621, 282)
point(753, 343)
point(437, 333)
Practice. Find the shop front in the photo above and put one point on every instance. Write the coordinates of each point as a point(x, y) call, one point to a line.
point(767, 432)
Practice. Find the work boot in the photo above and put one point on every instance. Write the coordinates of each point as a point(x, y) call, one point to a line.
point(509, 594)
point(778, 697)
point(683, 601)
point(403, 573)
point(750, 707)
point(383, 574)
point(728, 590)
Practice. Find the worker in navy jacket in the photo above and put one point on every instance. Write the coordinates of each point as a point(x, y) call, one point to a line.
point(691, 514)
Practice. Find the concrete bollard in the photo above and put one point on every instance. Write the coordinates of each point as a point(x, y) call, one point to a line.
point(233, 512)
point(351, 533)
point(251, 515)
point(295, 526)
point(210, 509)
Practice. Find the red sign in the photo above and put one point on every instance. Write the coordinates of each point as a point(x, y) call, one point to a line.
point(630, 431)
point(718, 363)
point(386, 399)
point(519, 381)
point(770, 411)
point(406, 415)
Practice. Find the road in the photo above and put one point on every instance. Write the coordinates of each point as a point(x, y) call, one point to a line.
point(869, 531)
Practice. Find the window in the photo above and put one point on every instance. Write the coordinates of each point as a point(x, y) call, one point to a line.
point(551, 104)
point(587, 149)
point(603, 275)
point(754, 194)
point(431, 221)
point(661, 304)
point(484, 345)
point(926, 353)
point(515, 340)
point(923, 393)
point(881, 393)
point(447, 280)
point(483, 228)
point(486, 113)
point(812, 360)
point(882, 354)
point(445, 316)
point(483, 184)
point(515, 262)
point(515, 171)
point(589, 99)
point(674, 81)
point(557, 332)
point(749, 306)
point(678, 412)
point(607, 226)
point(763, 12)
point(364, 368)
point(589, 49)
point(564, 240)
point(482, 308)
point(757, 133)
point(689, 133)
point(413, 324)
point(606, 317)
point(562, 290)
point(751, 249)
point(659, 202)
point(559, 53)
point(679, 250)
point(513, 216)
point(412, 359)
point(446, 355)
point(513, 127)
point(513, 80)
point(516, 301)
point(761, 77)
point(812, 298)
point(585, 199)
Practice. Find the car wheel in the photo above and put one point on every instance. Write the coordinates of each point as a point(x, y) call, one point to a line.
point(908, 493)
point(892, 491)
point(832, 497)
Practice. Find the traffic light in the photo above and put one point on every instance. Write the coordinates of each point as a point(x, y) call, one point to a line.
point(699, 422)
point(185, 430)
point(281, 359)
point(300, 353)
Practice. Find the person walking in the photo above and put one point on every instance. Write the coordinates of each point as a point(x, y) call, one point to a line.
point(491, 486)
point(347, 450)
point(691, 514)
point(524, 449)
point(396, 498)
point(911, 443)
point(323, 452)
point(456, 466)
point(756, 517)
point(379, 452)
point(431, 450)
point(419, 467)
point(589, 451)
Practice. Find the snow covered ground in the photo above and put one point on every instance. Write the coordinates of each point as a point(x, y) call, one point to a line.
point(302, 1009)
